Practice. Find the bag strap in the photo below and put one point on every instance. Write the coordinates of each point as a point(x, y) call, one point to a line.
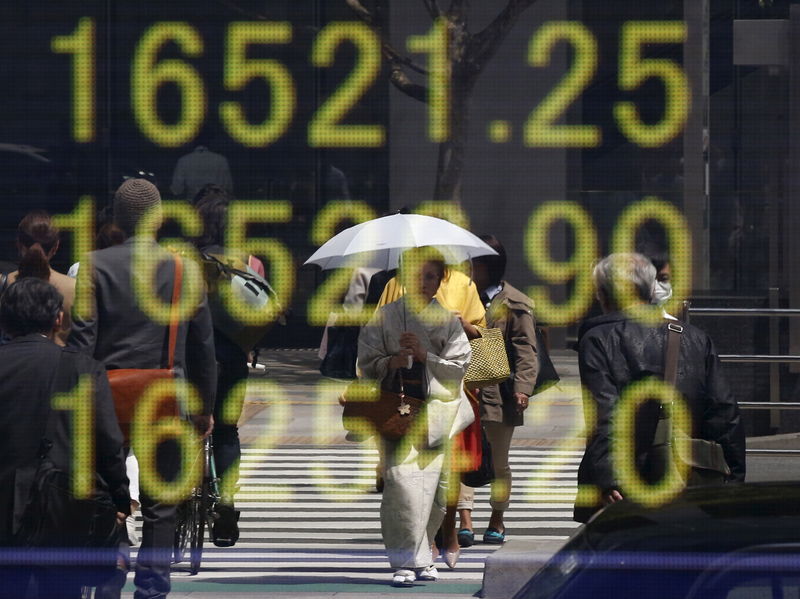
point(173, 312)
point(59, 383)
point(672, 353)
point(663, 431)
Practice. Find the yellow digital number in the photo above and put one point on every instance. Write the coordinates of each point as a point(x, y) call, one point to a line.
point(240, 70)
point(578, 268)
point(148, 431)
point(623, 442)
point(325, 129)
point(81, 44)
point(635, 69)
point(80, 401)
point(680, 249)
point(148, 75)
point(541, 130)
point(80, 222)
point(145, 263)
point(436, 44)
point(328, 296)
point(279, 258)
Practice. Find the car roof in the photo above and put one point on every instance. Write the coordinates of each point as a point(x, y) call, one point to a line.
point(702, 519)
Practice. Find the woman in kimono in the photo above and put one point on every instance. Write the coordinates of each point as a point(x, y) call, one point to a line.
point(417, 339)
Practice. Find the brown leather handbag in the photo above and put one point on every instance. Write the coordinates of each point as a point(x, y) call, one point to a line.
point(128, 385)
point(368, 410)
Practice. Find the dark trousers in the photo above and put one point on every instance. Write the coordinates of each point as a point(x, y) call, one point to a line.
point(158, 536)
point(231, 370)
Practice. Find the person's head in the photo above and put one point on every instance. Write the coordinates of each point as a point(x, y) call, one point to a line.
point(135, 199)
point(31, 305)
point(663, 289)
point(489, 270)
point(212, 190)
point(37, 243)
point(624, 279)
point(109, 234)
point(421, 272)
point(213, 211)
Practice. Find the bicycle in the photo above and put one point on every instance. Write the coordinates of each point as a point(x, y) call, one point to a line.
point(196, 513)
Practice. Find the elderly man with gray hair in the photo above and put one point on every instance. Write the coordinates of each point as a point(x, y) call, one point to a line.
point(623, 347)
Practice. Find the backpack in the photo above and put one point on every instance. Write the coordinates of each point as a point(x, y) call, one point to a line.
point(223, 271)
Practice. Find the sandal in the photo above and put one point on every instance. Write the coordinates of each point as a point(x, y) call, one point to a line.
point(466, 538)
point(492, 536)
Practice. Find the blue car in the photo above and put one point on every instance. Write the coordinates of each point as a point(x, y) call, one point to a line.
point(735, 541)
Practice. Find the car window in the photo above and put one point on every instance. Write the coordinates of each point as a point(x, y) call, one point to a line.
point(766, 587)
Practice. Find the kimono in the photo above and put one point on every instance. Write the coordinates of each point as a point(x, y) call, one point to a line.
point(414, 494)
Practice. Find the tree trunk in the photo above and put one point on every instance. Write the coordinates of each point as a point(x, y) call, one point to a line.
point(450, 169)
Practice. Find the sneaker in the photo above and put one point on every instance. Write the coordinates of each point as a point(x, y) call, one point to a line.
point(430, 574)
point(225, 531)
point(403, 578)
point(130, 526)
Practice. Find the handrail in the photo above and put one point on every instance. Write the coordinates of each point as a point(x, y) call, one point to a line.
point(768, 405)
point(759, 358)
point(744, 311)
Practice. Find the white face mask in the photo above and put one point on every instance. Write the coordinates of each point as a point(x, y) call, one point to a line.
point(662, 292)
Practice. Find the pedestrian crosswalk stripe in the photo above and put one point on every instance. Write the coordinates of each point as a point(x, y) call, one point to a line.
point(312, 512)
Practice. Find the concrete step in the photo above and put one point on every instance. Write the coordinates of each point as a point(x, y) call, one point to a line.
point(511, 566)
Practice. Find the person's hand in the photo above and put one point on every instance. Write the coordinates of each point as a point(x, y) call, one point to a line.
point(121, 519)
point(470, 330)
point(411, 342)
point(204, 423)
point(400, 359)
point(522, 402)
point(612, 496)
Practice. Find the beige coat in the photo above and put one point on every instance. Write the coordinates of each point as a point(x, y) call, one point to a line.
point(511, 311)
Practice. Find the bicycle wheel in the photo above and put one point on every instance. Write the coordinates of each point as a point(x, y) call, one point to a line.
point(199, 513)
point(181, 532)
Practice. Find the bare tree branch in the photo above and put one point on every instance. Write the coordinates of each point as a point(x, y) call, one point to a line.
point(433, 8)
point(485, 44)
point(389, 51)
point(458, 8)
point(360, 10)
point(399, 78)
point(238, 9)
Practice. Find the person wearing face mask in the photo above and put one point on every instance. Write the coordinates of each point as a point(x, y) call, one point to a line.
point(662, 292)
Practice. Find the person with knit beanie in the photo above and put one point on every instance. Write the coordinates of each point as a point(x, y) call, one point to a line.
point(119, 332)
point(134, 199)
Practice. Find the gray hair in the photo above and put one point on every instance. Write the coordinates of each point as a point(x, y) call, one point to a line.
point(614, 273)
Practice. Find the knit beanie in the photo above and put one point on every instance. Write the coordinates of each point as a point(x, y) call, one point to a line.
point(133, 199)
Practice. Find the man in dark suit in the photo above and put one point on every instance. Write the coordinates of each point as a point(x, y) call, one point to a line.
point(127, 280)
point(33, 368)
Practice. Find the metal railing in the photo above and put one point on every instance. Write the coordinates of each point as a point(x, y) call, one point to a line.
point(773, 359)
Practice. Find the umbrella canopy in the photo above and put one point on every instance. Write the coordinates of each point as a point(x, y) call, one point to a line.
point(379, 242)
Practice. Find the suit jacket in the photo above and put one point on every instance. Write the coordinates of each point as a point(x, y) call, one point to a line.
point(28, 368)
point(119, 334)
point(511, 311)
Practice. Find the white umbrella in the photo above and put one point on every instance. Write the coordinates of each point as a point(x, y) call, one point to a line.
point(379, 242)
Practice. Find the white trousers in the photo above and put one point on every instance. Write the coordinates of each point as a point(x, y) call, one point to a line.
point(413, 503)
